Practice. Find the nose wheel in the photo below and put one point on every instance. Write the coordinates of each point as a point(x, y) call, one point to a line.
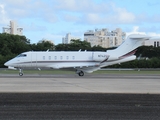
point(20, 72)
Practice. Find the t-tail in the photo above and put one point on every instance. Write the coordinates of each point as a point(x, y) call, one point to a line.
point(129, 46)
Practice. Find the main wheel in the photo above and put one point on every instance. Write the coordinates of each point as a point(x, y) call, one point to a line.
point(81, 73)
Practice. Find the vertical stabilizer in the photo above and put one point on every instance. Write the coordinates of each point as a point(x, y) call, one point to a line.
point(130, 44)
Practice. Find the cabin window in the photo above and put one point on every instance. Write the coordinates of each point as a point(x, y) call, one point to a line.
point(49, 57)
point(55, 57)
point(73, 57)
point(43, 57)
point(61, 57)
point(157, 44)
point(67, 57)
point(22, 55)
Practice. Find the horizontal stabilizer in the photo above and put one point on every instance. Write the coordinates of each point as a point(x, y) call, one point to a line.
point(138, 36)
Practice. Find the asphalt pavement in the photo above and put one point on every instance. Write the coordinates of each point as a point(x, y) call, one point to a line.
point(79, 106)
point(69, 97)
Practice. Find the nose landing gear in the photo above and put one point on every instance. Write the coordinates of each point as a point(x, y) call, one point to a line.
point(20, 72)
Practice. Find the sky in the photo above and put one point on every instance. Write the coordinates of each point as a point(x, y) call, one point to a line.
point(53, 19)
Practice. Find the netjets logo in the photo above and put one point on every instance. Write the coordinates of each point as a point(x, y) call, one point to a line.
point(102, 55)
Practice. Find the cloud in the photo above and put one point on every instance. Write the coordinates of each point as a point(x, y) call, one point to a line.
point(154, 34)
point(16, 3)
point(155, 18)
point(77, 11)
point(3, 19)
point(153, 3)
point(70, 18)
point(45, 15)
point(135, 30)
point(104, 13)
point(25, 8)
point(119, 16)
point(34, 27)
point(150, 28)
point(91, 18)
point(123, 16)
point(16, 8)
point(84, 6)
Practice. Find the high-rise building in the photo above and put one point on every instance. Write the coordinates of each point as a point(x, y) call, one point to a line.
point(68, 38)
point(13, 29)
point(105, 38)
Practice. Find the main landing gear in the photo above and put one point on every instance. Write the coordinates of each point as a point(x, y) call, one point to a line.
point(80, 73)
point(20, 72)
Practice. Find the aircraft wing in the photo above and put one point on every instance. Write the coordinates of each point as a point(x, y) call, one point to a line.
point(72, 64)
point(87, 67)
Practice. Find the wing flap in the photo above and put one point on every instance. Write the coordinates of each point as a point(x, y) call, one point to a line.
point(74, 65)
point(88, 69)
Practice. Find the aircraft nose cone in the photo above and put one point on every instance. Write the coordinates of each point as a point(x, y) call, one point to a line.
point(6, 64)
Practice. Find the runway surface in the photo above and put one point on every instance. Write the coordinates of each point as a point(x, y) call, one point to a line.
point(91, 83)
point(70, 97)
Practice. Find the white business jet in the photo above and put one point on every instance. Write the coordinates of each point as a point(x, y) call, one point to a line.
point(81, 61)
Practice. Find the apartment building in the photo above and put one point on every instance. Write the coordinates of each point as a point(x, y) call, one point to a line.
point(105, 38)
point(13, 29)
point(154, 43)
point(67, 39)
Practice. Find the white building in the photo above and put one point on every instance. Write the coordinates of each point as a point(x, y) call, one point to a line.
point(68, 38)
point(105, 38)
point(13, 29)
point(155, 43)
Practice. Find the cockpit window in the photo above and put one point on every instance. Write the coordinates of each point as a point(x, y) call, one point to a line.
point(22, 55)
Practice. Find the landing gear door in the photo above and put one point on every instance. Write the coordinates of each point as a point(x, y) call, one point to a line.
point(34, 60)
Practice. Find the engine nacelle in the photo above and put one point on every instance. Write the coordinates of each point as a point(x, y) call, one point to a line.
point(111, 58)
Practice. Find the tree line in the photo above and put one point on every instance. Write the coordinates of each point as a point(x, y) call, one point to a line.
point(12, 45)
point(147, 57)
